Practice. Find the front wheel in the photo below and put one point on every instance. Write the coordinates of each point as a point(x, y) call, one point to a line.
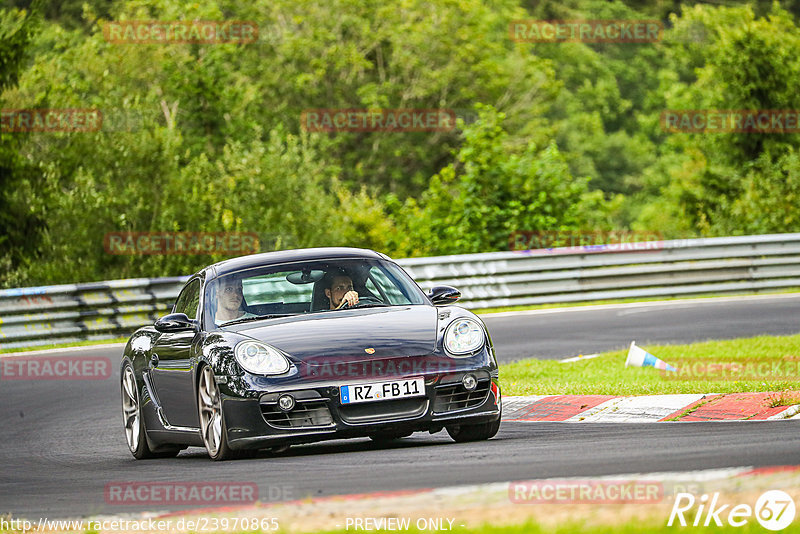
point(212, 421)
point(478, 432)
point(135, 432)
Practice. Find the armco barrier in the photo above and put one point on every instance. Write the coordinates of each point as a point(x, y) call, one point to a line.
point(33, 316)
point(52, 314)
point(629, 270)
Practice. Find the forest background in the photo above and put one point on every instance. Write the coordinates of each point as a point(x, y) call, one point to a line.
point(552, 138)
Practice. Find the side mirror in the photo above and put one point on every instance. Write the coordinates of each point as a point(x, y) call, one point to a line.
point(442, 295)
point(175, 322)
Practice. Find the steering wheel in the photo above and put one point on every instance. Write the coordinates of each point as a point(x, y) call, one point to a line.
point(367, 298)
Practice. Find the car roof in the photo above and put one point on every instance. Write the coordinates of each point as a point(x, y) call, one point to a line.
point(286, 256)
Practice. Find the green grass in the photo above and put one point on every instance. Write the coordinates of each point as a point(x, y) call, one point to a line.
point(628, 301)
point(784, 398)
point(87, 343)
point(607, 374)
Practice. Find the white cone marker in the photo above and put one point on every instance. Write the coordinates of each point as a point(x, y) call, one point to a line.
point(638, 357)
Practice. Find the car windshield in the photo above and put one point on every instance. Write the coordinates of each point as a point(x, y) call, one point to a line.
point(308, 287)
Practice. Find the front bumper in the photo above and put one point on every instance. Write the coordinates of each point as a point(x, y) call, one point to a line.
point(257, 422)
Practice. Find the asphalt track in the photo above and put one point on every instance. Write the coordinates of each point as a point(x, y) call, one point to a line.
point(61, 442)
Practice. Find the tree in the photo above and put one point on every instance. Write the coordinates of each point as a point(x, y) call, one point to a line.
point(20, 226)
point(491, 190)
point(731, 183)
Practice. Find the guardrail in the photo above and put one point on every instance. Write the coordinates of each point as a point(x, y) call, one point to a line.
point(33, 316)
point(628, 270)
point(745, 264)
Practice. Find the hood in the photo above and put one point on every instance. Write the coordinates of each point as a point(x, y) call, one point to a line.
point(343, 335)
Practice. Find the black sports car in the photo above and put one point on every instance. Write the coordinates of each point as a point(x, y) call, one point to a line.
point(274, 349)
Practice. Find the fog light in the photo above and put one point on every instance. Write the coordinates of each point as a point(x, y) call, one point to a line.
point(286, 403)
point(469, 382)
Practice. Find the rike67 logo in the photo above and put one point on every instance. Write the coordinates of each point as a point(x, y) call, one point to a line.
point(774, 510)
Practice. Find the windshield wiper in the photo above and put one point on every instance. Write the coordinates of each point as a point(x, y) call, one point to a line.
point(257, 318)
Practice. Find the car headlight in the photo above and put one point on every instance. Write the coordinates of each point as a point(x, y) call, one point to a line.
point(463, 336)
point(260, 358)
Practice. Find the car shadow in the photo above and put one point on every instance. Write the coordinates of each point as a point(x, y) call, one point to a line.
point(342, 446)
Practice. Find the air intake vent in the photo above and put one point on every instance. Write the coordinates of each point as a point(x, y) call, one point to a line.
point(453, 397)
point(304, 415)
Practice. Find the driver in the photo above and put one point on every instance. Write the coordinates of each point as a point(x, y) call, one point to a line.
point(230, 300)
point(339, 290)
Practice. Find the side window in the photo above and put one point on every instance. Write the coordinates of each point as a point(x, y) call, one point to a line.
point(189, 299)
point(386, 287)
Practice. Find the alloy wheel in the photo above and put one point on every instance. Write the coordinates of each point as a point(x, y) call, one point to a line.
point(130, 409)
point(210, 411)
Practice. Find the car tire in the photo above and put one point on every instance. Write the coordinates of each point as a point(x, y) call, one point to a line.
point(212, 419)
point(478, 432)
point(133, 423)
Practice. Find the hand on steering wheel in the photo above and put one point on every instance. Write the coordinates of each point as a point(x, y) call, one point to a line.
point(349, 299)
point(367, 298)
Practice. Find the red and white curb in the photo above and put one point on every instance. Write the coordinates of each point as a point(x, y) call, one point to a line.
point(646, 408)
point(447, 499)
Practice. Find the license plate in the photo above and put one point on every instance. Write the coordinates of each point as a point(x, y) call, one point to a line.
point(396, 389)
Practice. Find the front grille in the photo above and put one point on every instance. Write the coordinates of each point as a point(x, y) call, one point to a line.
point(304, 415)
point(454, 397)
point(385, 410)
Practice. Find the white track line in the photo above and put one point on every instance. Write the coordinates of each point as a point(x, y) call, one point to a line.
point(640, 409)
point(788, 413)
point(579, 358)
point(65, 349)
point(646, 304)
